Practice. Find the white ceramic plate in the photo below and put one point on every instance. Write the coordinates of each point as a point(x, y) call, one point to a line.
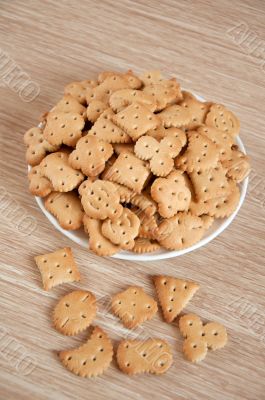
point(216, 229)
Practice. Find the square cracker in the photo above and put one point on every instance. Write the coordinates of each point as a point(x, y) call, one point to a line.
point(128, 170)
point(57, 267)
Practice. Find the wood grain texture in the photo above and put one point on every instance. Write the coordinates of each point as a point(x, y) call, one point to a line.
point(58, 42)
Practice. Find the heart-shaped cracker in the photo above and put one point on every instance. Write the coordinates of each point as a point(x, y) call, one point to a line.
point(74, 312)
point(123, 230)
point(92, 358)
point(37, 146)
point(133, 306)
point(180, 231)
point(67, 209)
point(136, 120)
point(197, 109)
point(173, 295)
point(124, 97)
point(57, 268)
point(160, 154)
point(199, 338)
point(101, 200)
point(164, 93)
point(218, 207)
point(38, 184)
point(171, 194)
point(128, 170)
point(202, 154)
point(137, 356)
point(210, 184)
point(238, 166)
point(63, 128)
point(221, 118)
point(133, 81)
point(98, 243)
point(95, 109)
point(105, 129)
point(175, 116)
point(78, 89)
point(63, 177)
point(69, 104)
point(90, 155)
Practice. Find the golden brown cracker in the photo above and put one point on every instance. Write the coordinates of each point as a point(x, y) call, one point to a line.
point(133, 306)
point(37, 146)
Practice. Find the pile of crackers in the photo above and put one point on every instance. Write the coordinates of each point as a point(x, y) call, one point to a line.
point(137, 162)
point(76, 311)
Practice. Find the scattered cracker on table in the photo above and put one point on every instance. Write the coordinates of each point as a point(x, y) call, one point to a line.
point(92, 358)
point(140, 356)
point(57, 268)
point(199, 337)
point(133, 306)
point(173, 295)
point(126, 144)
point(74, 312)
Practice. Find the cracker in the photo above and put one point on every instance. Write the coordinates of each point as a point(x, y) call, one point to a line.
point(103, 91)
point(74, 312)
point(160, 154)
point(218, 207)
point(133, 306)
point(136, 120)
point(69, 104)
point(199, 338)
point(238, 166)
point(123, 230)
point(197, 109)
point(63, 128)
point(38, 184)
point(144, 202)
point(82, 187)
point(151, 355)
point(128, 170)
point(143, 245)
point(175, 116)
point(164, 93)
point(105, 129)
point(181, 231)
point(64, 178)
point(201, 154)
point(133, 81)
point(57, 268)
point(210, 184)
point(95, 109)
point(92, 358)
point(173, 295)
point(97, 242)
point(222, 140)
point(124, 97)
point(37, 146)
point(67, 209)
point(90, 155)
point(151, 77)
point(123, 148)
point(171, 194)
point(221, 118)
point(125, 193)
point(78, 89)
point(148, 225)
point(101, 200)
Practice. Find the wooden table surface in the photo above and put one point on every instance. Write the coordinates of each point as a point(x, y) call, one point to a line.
point(217, 51)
